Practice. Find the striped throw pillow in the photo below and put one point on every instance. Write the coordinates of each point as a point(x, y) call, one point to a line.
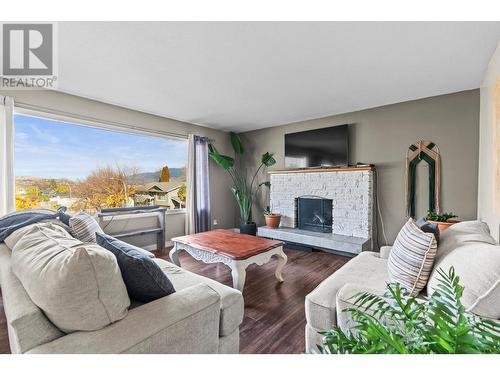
point(411, 258)
point(84, 227)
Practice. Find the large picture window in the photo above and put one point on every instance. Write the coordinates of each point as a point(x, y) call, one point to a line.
point(89, 168)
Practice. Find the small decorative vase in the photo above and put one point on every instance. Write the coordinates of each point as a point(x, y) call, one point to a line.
point(248, 228)
point(443, 225)
point(273, 220)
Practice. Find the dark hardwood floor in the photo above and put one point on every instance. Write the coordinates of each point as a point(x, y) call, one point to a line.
point(274, 318)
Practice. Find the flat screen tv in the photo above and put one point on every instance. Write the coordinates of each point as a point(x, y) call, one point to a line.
point(326, 147)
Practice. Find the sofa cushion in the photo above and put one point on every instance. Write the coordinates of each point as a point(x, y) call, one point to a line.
point(477, 264)
point(345, 301)
point(412, 257)
point(27, 324)
point(181, 323)
point(84, 227)
point(231, 299)
point(462, 233)
point(77, 285)
point(365, 269)
point(144, 279)
point(385, 251)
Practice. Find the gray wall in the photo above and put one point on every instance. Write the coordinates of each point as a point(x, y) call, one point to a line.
point(382, 135)
point(223, 207)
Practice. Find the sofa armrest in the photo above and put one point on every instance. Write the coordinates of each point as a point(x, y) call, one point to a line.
point(345, 301)
point(385, 251)
point(186, 321)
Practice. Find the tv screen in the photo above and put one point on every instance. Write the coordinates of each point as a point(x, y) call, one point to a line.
point(326, 147)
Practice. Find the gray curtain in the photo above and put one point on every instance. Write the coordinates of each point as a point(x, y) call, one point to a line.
point(198, 185)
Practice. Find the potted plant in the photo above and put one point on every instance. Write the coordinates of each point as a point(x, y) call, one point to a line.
point(397, 323)
point(272, 219)
point(443, 221)
point(244, 189)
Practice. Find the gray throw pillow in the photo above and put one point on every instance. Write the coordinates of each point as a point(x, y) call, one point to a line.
point(84, 227)
point(144, 279)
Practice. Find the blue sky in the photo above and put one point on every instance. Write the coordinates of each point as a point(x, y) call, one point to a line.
point(54, 149)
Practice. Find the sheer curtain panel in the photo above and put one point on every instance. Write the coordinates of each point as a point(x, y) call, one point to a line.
point(198, 185)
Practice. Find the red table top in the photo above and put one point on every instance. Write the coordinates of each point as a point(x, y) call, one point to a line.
point(231, 244)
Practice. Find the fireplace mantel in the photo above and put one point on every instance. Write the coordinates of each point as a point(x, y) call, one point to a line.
point(318, 170)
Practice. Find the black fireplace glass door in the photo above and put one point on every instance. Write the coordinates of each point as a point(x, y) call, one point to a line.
point(314, 214)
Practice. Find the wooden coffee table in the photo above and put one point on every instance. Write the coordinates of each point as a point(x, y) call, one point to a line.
point(236, 250)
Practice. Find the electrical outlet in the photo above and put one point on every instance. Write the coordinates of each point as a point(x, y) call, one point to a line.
point(215, 222)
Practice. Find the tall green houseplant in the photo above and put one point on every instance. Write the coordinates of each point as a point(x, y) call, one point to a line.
point(244, 188)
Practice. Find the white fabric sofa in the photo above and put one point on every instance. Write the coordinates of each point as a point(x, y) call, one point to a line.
point(466, 246)
point(202, 316)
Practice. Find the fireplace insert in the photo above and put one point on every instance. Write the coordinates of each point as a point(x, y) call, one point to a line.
point(314, 213)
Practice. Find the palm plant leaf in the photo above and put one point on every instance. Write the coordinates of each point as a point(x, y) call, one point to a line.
point(223, 161)
point(244, 192)
point(236, 143)
point(400, 323)
point(268, 159)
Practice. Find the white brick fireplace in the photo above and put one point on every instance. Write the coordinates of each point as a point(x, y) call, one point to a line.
point(351, 190)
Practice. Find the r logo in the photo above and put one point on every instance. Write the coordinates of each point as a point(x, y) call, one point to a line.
point(27, 49)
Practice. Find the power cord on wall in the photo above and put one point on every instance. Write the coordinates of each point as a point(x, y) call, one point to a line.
point(379, 212)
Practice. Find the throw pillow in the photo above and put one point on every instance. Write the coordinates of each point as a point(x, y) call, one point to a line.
point(144, 279)
point(428, 228)
point(63, 216)
point(411, 258)
point(19, 219)
point(77, 285)
point(478, 266)
point(84, 227)
point(461, 234)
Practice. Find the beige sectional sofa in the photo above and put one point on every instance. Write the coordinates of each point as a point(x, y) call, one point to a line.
point(202, 316)
point(466, 246)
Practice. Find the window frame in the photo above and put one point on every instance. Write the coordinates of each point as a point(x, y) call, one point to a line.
point(73, 119)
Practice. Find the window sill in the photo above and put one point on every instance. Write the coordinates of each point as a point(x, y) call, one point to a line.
point(176, 211)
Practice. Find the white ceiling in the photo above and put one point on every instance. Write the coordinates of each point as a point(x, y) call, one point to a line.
point(249, 75)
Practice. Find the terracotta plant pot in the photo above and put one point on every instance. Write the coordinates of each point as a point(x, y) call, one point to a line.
point(443, 225)
point(273, 220)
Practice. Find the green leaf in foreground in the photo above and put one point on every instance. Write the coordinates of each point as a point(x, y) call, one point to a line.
point(399, 323)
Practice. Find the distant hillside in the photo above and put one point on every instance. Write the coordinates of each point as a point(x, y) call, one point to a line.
point(146, 177)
